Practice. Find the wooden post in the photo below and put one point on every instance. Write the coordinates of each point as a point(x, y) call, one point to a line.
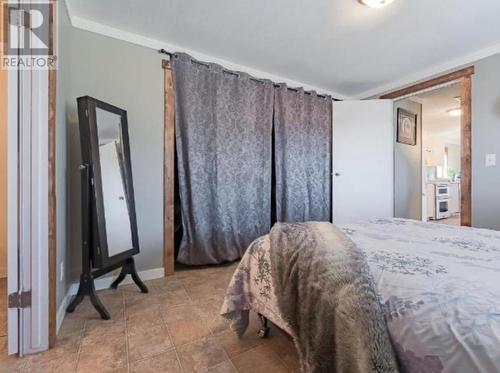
point(168, 172)
point(466, 137)
point(52, 222)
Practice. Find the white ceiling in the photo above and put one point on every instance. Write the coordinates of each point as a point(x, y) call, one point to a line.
point(435, 119)
point(337, 45)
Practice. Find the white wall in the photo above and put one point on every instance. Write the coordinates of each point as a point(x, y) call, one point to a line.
point(130, 77)
point(485, 140)
point(63, 80)
point(408, 167)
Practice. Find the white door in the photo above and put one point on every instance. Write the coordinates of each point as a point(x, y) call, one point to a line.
point(28, 211)
point(363, 168)
point(12, 209)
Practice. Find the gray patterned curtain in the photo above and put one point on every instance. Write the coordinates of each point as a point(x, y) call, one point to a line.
point(223, 123)
point(303, 151)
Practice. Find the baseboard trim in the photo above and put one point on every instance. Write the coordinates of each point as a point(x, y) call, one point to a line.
point(61, 311)
point(101, 284)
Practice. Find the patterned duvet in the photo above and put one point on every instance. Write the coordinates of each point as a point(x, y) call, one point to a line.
point(439, 285)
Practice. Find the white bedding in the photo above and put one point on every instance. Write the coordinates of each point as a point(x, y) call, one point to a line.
point(439, 285)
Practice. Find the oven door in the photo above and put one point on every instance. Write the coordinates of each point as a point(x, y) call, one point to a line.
point(442, 190)
point(443, 208)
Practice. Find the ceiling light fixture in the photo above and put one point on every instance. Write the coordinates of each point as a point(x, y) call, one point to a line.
point(455, 112)
point(376, 3)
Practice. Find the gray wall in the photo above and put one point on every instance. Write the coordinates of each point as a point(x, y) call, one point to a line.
point(485, 140)
point(62, 90)
point(130, 77)
point(408, 168)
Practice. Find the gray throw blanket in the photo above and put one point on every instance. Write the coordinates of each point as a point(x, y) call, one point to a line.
point(326, 293)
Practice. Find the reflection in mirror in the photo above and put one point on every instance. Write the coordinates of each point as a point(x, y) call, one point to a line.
point(114, 187)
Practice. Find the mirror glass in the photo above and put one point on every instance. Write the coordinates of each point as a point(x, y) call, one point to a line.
point(114, 186)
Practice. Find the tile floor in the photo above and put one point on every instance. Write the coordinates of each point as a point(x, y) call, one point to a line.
point(454, 220)
point(3, 317)
point(175, 328)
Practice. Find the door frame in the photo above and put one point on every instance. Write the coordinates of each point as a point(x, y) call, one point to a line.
point(464, 77)
point(31, 103)
point(168, 171)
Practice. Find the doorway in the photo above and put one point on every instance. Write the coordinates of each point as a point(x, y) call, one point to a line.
point(461, 82)
point(428, 174)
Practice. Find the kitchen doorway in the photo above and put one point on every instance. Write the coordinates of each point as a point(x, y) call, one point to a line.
point(432, 149)
point(427, 159)
point(441, 163)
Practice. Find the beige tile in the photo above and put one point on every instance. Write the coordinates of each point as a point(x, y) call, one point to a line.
point(138, 302)
point(200, 277)
point(12, 364)
point(165, 283)
point(208, 291)
point(71, 325)
point(64, 346)
point(184, 307)
point(3, 307)
point(201, 354)
point(61, 358)
point(4, 346)
point(131, 288)
point(284, 347)
point(149, 343)
point(224, 367)
point(123, 369)
point(173, 297)
point(107, 355)
point(139, 322)
point(234, 345)
point(210, 311)
point(261, 359)
point(164, 363)
point(63, 364)
point(185, 324)
point(112, 299)
point(97, 330)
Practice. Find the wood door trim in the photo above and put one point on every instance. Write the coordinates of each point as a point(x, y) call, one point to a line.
point(446, 78)
point(52, 204)
point(464, 76)
point(466, 152)
point(168, 171)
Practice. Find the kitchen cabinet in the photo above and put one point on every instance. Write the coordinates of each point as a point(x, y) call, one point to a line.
point(431, 201)
point(455, 198)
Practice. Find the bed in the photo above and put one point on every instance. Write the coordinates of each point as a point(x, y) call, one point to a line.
point(439, 287)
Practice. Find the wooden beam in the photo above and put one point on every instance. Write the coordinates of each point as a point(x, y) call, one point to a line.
point(52, 188)
point(168, 172)
point(52, 222)
point(456, 75)
point(466, 151)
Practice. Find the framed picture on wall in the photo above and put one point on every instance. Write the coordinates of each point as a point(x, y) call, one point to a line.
point(407, 127)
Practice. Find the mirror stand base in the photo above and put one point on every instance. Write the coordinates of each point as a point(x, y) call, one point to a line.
point(85, 288)
point(128, 268)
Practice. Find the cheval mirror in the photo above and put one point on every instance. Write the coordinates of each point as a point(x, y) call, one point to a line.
point(109, 226)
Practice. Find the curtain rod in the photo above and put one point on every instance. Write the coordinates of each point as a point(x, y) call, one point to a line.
point(169, 54)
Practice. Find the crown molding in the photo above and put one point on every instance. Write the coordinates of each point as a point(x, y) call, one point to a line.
point(431, 72)
point(115, 33)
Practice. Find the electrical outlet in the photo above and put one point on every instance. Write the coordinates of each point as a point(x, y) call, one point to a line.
point(491, 160)
point(62, 271)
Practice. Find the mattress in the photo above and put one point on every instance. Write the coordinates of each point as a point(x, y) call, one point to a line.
point(439, 287)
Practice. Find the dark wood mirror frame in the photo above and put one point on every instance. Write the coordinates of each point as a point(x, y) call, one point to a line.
point(90, 156)
point(95, 254)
